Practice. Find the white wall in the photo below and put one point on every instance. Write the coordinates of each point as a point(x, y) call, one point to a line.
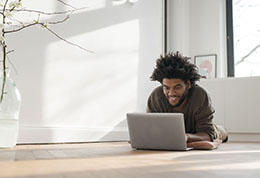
point(198, 28)
point(179, 26)
point(69, 95)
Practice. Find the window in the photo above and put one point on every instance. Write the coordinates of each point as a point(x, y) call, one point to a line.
point(243, 37)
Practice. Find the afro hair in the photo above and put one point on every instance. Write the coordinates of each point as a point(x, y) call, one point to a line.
point(175, 66)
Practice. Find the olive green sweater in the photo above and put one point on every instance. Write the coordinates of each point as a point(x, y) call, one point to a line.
point(198, 111)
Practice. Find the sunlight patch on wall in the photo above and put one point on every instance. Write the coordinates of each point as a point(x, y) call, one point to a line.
point(92, 90)
point(90, 4)
point(118, 2)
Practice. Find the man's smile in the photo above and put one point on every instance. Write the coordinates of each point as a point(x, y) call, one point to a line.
point(173, 99)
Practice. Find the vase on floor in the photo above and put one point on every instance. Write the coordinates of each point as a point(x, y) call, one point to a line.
point(10, 103)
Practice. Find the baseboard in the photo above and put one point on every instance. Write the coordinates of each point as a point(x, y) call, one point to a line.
point(39, 134)
point(244, 137)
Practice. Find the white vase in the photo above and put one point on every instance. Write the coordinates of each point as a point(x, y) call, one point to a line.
point(10, 103)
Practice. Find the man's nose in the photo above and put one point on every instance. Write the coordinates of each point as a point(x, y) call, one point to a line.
point(172, 92)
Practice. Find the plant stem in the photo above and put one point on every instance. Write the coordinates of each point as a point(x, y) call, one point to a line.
point(4, 71)
point(3, 87)
point(4, 56)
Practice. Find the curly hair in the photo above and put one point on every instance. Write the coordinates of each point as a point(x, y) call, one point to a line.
point(175, 66)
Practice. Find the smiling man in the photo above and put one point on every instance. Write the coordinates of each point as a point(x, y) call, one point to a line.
point(179, 93)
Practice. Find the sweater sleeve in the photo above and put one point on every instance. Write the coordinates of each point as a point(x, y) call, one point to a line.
point(204, 116)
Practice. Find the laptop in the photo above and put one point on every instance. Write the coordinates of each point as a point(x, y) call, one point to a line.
point(157, 131)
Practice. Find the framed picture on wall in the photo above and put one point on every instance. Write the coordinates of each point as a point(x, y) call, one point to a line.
point(207, 65)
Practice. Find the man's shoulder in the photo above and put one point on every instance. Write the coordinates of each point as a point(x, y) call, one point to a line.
point(157, 90)
point(157, 101)
point(198, 90)
point(198, 94)
point(157, 95)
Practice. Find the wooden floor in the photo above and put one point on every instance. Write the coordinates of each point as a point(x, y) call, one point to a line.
point(118, 159)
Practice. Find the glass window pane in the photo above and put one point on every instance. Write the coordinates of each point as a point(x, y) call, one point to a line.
point(246, 28)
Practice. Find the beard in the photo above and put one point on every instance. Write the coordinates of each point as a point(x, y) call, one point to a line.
point(182, 99)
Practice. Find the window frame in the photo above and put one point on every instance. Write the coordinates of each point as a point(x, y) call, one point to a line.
point(230, 39)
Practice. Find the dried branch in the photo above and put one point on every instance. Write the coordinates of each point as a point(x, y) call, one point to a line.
point(246, 56)
point(4, 7)
point(237, 2)
point(49, 13)
point(21, 28)
point(51, 31)
point(66, 4)
point(61, 21)
point(63, 39)
point(22, 25)
point(8, 52)
point(14, 6)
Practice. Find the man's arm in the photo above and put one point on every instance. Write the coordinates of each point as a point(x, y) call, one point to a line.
point(203, 118)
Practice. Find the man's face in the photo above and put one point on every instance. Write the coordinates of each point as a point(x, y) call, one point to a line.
point(175, 90)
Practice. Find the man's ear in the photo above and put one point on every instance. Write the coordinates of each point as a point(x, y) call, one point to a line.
point(188, 84)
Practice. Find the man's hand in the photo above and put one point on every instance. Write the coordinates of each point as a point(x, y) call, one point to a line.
point(204, 145)
point(201, 141)
point(197, 137)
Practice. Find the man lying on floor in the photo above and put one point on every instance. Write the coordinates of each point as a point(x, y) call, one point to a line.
point(179, 93)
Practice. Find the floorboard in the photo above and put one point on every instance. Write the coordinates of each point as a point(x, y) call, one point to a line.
point(118, 159)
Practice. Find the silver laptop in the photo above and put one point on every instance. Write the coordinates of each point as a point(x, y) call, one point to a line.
point(157, 131)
